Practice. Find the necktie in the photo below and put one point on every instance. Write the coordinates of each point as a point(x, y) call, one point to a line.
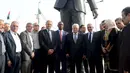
point(60, 35)
point(50, 36)
point(75, 38)
point(89, 37)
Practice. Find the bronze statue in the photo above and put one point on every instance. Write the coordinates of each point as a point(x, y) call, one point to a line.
point(73, 11)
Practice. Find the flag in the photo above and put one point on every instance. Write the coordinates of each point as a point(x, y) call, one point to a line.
point(8, 16)
point(39, 11)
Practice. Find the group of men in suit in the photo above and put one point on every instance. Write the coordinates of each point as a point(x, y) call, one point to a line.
point(19, 52)
point(57, 46)
point(34, 51)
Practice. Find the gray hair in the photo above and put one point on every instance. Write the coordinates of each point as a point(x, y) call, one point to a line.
point(75, 24)
point(14, 22)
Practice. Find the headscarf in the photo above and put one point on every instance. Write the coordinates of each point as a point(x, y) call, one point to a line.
point(110, 24)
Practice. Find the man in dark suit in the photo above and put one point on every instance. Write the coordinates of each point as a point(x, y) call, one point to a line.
point(73, 11)
point(120, 25)
point(93, 53)
point(60, 50)
point(13, 48)
point(27, 49)
point(47, 44)
point(74, 46)
point(85, 61)
point(2, 48)
point(125, 46)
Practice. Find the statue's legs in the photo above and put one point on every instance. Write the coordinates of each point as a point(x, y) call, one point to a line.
point(71, 16)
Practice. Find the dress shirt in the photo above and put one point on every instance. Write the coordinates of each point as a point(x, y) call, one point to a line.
point(3, 44)
point(61, 34)
point(50, 34)
point(17, 41)
point(91, 35)
point(31, 40)
point(35, 40)
point(75, 37)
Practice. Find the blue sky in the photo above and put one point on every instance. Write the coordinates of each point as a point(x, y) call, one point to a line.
point(25, 11)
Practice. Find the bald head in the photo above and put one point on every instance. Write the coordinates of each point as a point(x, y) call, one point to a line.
point(14, 26)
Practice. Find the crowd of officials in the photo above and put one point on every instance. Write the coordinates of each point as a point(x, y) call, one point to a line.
point(66, 52)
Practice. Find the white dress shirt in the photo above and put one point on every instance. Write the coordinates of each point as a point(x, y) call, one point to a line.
point(17, 41)
point(35, 40)
point(31, 39)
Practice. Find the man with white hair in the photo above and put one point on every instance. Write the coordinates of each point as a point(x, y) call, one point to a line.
point(75, 48)
point(13, 48)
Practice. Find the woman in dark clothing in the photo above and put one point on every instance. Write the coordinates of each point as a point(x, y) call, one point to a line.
point(109, 47)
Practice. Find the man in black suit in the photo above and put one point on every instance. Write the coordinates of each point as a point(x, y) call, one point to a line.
point(120, 25)
point(93, 53)
point(47, 44)
point(2, 48)
point(73, 11)
point(85, 61)
point(13, 48)
point(60, 50)
point(74, 46)
point(125, 46)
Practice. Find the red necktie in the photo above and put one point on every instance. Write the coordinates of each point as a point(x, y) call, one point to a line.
point(60, 35)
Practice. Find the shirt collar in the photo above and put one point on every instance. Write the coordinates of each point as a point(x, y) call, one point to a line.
point(60, 30)
point(13, 32)
point(48, 29)
point(75, 33)
point(91, 32)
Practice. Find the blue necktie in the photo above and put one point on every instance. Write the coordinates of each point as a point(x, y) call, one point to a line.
point(89, 37)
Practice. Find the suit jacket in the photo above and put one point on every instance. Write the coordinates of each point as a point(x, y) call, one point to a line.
point(60, 44)
point(45, 42)
point(10, 47)
point(26, 46)
point(93, 49)
point(78, 4)
point(2, 34)
point(75, 50)
point(125, 47)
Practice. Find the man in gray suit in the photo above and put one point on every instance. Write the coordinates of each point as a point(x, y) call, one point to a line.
point(27, 49)
point(2, 48)
point(73, 11)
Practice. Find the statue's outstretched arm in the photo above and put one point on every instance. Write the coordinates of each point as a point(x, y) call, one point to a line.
point(92, 4)
point(93, 8)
